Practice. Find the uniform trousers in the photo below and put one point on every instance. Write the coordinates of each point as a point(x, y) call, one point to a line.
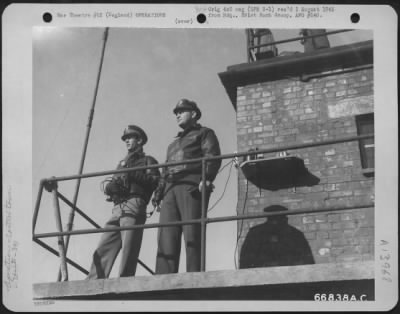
point(182, 201)
point(129, 213)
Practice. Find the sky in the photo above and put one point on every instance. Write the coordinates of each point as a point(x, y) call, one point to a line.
point(145, 72)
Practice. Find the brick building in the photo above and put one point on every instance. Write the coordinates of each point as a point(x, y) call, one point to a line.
point(306, 98)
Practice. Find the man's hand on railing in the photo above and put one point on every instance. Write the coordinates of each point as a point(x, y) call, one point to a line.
point(209, 186)
point(158, 194)
point(156, 205)
point(156, 200)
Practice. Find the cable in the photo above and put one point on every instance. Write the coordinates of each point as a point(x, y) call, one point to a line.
point(226, 184)
point(227, 164)
point(102, 183)
point(241, 223)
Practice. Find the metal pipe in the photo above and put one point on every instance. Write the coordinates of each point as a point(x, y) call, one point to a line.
point(108, 172)
point(96, 225)
point(77, 266)
point(51, 250)
point(226, 156)
point(287, 213)
point(89, 125)
point(146, 267)
point(203, 216)
point(80, 212)
point(114, 229)
point(37, 206)
point(208, 220)
point(299, 38)
point(249, 55)
point(292, 147)
point(61, 247)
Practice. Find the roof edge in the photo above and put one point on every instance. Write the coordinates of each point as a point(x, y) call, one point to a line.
point(299, 64)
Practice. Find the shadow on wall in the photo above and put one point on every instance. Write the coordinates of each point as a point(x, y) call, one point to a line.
point(275, 243)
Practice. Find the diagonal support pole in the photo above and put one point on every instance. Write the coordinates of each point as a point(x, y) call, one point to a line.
point(89, 125)
point(60, 241)
point(80, 212)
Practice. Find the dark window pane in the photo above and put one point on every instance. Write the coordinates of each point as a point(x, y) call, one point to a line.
point(365, 125)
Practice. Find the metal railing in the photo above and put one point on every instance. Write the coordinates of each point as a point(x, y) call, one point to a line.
point(251, 47)
point(50, 184)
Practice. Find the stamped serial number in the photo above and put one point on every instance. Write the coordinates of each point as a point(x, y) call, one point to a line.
point(43, 302)
point(339, 297)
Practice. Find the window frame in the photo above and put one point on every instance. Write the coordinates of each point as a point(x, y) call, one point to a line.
point(365, 124)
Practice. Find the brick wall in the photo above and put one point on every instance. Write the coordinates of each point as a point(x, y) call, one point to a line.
point(288, 111)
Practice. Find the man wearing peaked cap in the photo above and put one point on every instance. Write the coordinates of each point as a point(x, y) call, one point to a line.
point(130, 192)
point(187, 105)
point(181, 186)
point(135, 130)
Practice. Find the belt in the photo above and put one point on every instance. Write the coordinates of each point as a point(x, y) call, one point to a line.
point(173, 177)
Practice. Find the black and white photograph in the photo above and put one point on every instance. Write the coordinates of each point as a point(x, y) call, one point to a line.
point(222, 164)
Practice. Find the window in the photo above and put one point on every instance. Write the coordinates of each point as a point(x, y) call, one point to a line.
point(365, 125)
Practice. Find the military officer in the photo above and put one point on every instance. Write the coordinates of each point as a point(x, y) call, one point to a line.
point(130, 192)
point(180, 189)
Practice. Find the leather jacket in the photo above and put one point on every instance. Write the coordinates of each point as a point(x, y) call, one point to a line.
point(139, 183)
point(194, 142)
